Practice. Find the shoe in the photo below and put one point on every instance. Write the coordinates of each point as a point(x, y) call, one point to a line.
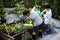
point(40, 34)
point(45, 33)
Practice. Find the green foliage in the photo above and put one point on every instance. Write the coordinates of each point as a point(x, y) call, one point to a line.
point(28, 37)
point(55, 5)
point(12, 2)
point(19, 7)
point(2, 28)
point(28, 20)
point(14, 28)
point(2, 9)
point(29, 3)
point(18, 26)
point(11, 29)
point(56, 9)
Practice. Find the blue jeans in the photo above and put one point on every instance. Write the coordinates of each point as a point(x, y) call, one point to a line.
point(36, 28)
point(47, 29)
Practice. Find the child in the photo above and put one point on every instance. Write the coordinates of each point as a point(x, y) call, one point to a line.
point(47, 18)
point(37, 22)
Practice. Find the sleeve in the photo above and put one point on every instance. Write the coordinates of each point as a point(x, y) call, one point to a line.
point(33, 9)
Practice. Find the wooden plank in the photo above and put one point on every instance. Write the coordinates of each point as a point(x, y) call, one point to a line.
point(6, 37)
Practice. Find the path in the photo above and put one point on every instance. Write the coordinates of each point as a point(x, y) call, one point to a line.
point(56, 26)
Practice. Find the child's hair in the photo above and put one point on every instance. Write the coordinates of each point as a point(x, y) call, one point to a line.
point(26, 11)
point(47, 6)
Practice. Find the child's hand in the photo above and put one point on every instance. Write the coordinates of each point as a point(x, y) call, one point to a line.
point(40, 30)
point(34, 33)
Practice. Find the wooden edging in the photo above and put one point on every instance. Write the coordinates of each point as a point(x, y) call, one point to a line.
point(6, 37)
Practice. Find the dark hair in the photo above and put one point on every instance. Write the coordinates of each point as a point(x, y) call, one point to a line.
point(47, 6)
point(26, 11)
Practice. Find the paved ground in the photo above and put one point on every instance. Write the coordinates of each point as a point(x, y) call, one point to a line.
point(56, 26)
point(57, 37)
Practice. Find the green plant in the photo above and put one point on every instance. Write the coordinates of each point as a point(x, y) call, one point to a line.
point(2, 9)
point(19, 7)
point(28, 37)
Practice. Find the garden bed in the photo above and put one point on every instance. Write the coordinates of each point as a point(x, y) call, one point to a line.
point(14, 37)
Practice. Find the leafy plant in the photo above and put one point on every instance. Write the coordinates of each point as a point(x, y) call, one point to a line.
point(2, 9)
point(19, 7)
